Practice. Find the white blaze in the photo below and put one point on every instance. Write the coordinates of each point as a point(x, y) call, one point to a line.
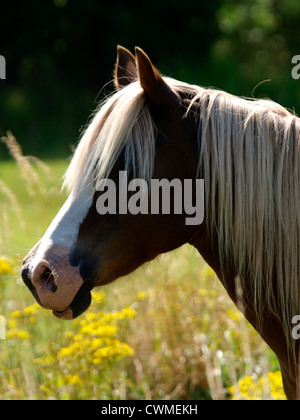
point(63, 231)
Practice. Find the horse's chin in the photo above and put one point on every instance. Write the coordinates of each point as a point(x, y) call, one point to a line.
point(67, 314)
point(79, 305)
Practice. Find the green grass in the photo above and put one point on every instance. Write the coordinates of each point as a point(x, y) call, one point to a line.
point(186, 339)
point(37, 210)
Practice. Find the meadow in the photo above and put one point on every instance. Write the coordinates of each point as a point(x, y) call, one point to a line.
point(168, 331)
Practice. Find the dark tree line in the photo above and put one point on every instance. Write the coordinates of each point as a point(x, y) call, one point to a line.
point(59, 53)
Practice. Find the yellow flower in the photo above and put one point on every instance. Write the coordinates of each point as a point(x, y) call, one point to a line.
point(16, 314)
point(31, 310)
point(12, 324)
point(44, 360)
point(246, 385)
point(23, 335)
point(234, 314)
point(276, 385)
point(6, 266)
point(73, 380)
point(106, 330)
point(91, 341)
point(65, 352)
point(15, 333)
point(128, 313)
point(248, 389)
point(98, 296)
point(141, 295)
point(208, 272)
point(203, 293)
point(115, 351)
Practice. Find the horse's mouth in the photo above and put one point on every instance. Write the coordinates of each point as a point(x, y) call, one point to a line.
point(67, 314)
point(80, 303)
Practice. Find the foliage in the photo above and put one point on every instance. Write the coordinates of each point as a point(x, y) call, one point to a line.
point(76, 366)
point(23, 215)
point(79, 365)
point(190, 343)
point(269, 385)
point(155, 335)
point(61, 54)
point(6, 266)
point(258, 40)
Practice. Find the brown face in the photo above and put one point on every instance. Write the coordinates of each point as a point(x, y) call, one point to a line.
point(82, 248)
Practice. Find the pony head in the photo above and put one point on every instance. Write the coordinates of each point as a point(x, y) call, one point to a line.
point(143, 129)
point(156, 128)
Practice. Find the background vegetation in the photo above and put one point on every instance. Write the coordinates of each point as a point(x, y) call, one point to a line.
point(60, 54)
point(168, 331)
point(173, 333)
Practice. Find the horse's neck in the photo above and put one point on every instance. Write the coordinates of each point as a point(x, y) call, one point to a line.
point(208, 249)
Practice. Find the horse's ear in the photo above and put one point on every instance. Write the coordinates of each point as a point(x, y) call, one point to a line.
point(125, 68)
point(156, 89)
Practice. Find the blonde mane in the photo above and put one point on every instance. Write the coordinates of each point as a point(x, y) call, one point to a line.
point(249, 159)
point(122, 122)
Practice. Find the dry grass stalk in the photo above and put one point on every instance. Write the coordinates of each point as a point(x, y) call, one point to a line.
point(213, 370)
point(13, 200)
point(29, 174)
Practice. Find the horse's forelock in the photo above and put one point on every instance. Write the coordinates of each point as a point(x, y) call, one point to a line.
point(121, 123)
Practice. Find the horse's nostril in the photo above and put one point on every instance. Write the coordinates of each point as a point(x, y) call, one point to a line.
point(53, 288)
point(47, 280)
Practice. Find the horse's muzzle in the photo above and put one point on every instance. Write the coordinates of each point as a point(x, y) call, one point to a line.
point(55, 284)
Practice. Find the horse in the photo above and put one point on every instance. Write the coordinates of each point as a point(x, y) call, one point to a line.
point(156, 127)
